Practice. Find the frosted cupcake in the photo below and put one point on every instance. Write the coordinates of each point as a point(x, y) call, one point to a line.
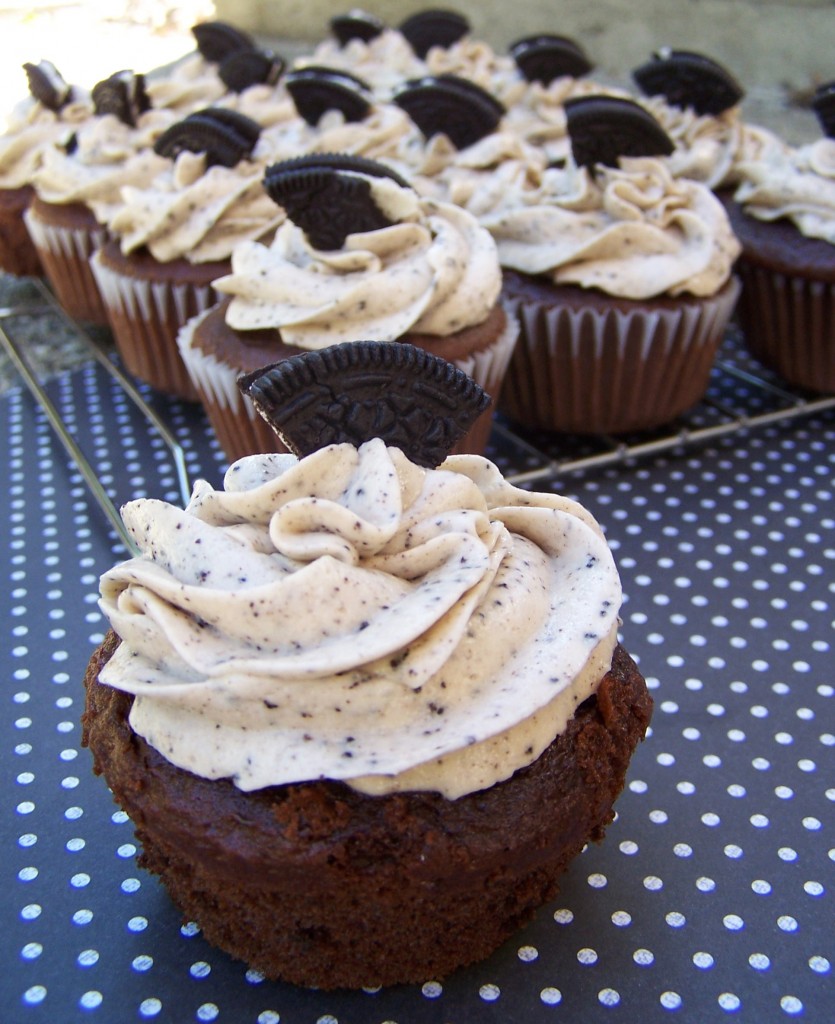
point(361, 256)
point(173, 236)
point(79, 183)
point(620, 275)
point(48, 115)
point(363, 711)
point(783, 212)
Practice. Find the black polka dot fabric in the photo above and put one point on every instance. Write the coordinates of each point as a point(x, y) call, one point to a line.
point(711, 896)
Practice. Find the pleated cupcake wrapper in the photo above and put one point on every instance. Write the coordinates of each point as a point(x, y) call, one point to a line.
point(65, 257)
point(242, 431)
point(18, 254)
point(789, 325)
point(608, 371)
point(145, 317)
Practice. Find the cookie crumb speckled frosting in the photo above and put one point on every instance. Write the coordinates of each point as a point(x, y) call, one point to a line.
point(354, 616)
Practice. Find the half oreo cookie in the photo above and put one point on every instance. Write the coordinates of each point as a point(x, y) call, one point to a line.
point(324, 195)
point(364, 389)
point(687, 79)
point(224, 135)
point(437, 27)
point(544, 57)
point(47, 85)
point(451, 105)
point(316, 89)
point(604, 128)
point(356, 24)
point(123, 94)
point(244, 68)
point(217, 39)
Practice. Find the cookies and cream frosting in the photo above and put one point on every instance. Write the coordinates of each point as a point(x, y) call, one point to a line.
point(354, 616)
point(31, 129)
point(797, 183)
point(434, 270)
point(106, 156)
point(194, 212)
point(632, 231)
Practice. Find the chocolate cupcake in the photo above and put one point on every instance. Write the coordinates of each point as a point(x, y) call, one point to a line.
point(48, 115)
point(619, 273)
point(357, 730)
point(171, 238)
point(783, 212)
point(360, 255)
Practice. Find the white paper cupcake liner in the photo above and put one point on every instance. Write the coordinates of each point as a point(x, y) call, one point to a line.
point(65, 257)
point(598, 370)
point(145, 317)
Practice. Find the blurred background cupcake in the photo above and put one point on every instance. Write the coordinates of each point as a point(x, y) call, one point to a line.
point(172, 237)
point(49, 114)
point(620, 275)
point(783, 212)
point(361, 257)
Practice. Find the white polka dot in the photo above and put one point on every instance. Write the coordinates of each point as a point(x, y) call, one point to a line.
point(489, 993)
point(643, 957)
point(432, 990)
point(728, 1001)
point(527, 954)
point(703, 960)
point(586, 956)
point(608, 997)
point(791, 1004)
point(670, 1000)
point(675, 919)
point(550, 996)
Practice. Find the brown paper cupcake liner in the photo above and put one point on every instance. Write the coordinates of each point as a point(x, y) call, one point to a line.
point(611, 370)
point(788, 324)
point(18, 254)
point(145, 317)
point(240, 430)
point(64, 254)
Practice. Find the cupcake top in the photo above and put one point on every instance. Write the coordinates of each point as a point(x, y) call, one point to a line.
point(48, 115)
point(383, 61)
point(103, 156)
point(361, 255)
point(352, 615)
point(621, 224)
point(793, 183)
point(207, 197)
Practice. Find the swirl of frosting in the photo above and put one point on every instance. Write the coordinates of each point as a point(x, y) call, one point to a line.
point(433, 271)
point(107, 156)
point(31, 129)
point(197, 213)
point(382, 62)
point(190, 83)
point(797, 183)
point(633, 231)
point(354, 616)
point(708, 147)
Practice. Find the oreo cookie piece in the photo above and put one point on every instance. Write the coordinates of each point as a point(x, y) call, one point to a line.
point(688, 79)
point(216, 40)
point(364, 389)
point(316, 89)
point(47, 85)
point(225, 136)
point(544, 57)
point(436, 27)
point(122, 94)
point(604, 128)
point(243, 68)
point(323, 196)
point(823, 104)
point(460, 109)
point(356, 24)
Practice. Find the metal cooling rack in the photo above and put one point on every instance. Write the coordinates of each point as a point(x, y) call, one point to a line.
point(742, 396)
